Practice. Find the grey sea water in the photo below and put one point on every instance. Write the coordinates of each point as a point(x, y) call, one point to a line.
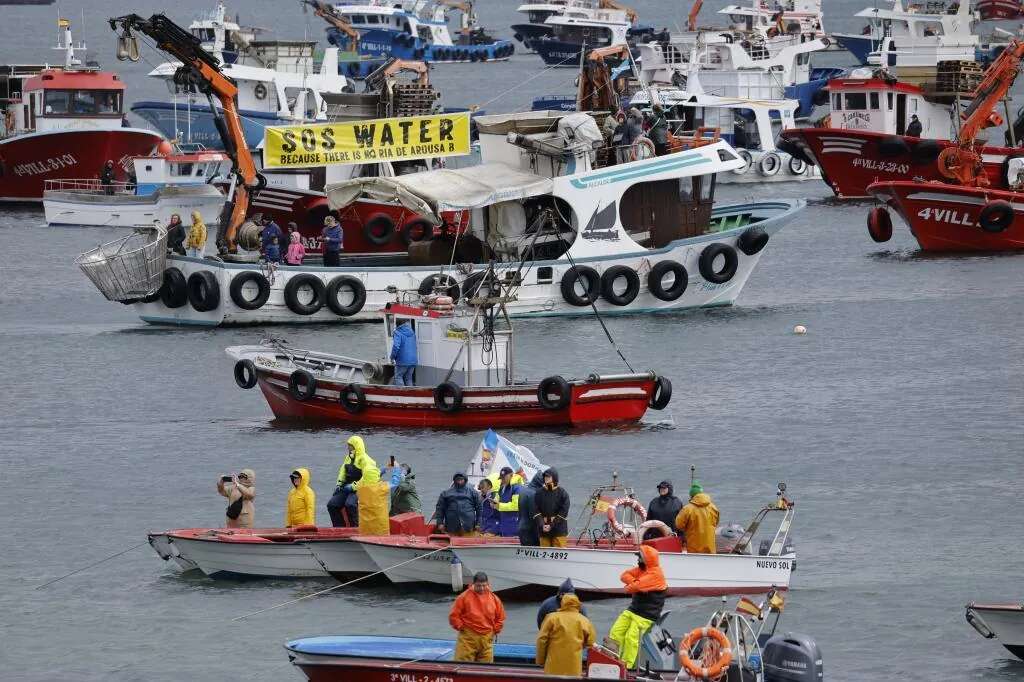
point(896, 423)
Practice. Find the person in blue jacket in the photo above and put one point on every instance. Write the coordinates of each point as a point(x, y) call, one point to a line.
point(552, 604)
point(490, 523)
point(403, 354)
point(508, 503)
point(458, 509)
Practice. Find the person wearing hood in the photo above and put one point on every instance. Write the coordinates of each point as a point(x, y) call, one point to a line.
point(296, 251)
point(478, 616)
point(403, 354)
point(358, 469)
point(665, 507)
point(301, 507)
point(404, 497)
point(176, 235)
point(107, 178)
point(563, 637)
point(241, 493)
point(510, 483)
point(648, 587)
point(552, 604)
point(196, 242)
point(697, 521)
point(551, 511)
point(659, 131)
point(458, 509)
point(490, 520)
point(528, 535)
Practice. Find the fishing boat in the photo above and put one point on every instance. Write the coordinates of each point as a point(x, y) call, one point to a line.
point(997, 10)
point(279, 83)
point(159, 187)
point(60, 123)
point(1004, 622)
point(536, 14)
point(563, 37)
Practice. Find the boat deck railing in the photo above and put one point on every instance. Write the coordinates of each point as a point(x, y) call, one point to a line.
point(88, 186)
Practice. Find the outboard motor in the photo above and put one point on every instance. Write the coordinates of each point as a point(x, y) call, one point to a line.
point(791, 657)
point(658, 649)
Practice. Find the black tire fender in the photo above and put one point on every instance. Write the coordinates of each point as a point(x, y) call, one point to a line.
point(613, 274)
point(174, 290)
point(245, 374)
point(481, 284)
point(996, 216)
point(203, 291)
point(706, 263)
point(238, 295)
point(880, 224)
point(656, 278)
point(421, 226)
point(558, 386)
point(752, 240)
point(302, 385)
point(591, 279)
point(662, 393)
point(445, 392)
point(291, 294)
point(352, 398)
point(358, 295)
point(447, 282)
point(379, 228)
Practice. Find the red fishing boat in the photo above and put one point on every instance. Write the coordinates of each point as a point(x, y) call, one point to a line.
point(1000, 9)
point(463, 376)
point(969, 210)
point(63, 123)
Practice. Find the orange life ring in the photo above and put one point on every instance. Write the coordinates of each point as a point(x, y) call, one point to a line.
point(694, 668)
point(629, 502)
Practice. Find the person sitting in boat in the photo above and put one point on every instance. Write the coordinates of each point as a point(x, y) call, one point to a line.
point(551, 512)
point(357, 470)
point(332, 239)
point(296, 251)
point(915, 128)
point(241, 493)
point(697, 521)
point(273, 252)
point(563, 637)
point(490, 521)
point(478, 616)
point(176, 235)
point(648, 587)
point(301, 507)
point(404, 497)
point(403, 354)
point(107, 178)
point(508, 502)
point(196, 242)
point(270, 231)
point(553, 603)
point(665, 507)
point(528, 532)
point(458, 509)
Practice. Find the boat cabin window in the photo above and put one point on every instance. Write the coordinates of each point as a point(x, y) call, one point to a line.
point(205, 34)
point(803, 58)
point(181, 169)
point(657, 213)
point(888, 101)
point(424, 34)
point(874, 101)
point(538, 16)
point(545, 274)
point(372, 19)
point(775, 116)
point(81, 102)
point(856, 101)
point(837, 102)
point(357, 19)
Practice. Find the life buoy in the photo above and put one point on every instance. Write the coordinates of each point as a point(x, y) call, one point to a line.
point(611, 276)
point(880, 224)
point(174, 289)
point(446, 282)
point(379, 228)
point(706, 263)
point(661, 395)
point(335, 286)
point(748, 161)
point(237, 290)
point(417, 230)
point(769, 164)
point(797, 166)
point(448, 397)
point(653, 524)
point(245, 374)
point(557, 386)
point(591, 281)
point(752, 240)
point(203, 291)
point(892, 146)
point(633, 504)
point(656, 280)
point(642, 149)
point(694, 668)
point(996, 216)
point(291, 294)
point(302, 385)
point(260, 91)
point(352, 398)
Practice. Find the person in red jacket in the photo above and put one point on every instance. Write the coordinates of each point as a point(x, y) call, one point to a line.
point(478, 616)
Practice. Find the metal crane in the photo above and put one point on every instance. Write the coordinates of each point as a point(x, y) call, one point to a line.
point(202, 70)
point(337, 20)
point(962, 162)
point(691, 21)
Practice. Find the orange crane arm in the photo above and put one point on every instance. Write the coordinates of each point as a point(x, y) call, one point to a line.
point(691, 22)
point(201, 69)
point(335, 19)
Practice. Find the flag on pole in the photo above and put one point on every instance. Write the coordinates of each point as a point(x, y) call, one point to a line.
point(748, 607)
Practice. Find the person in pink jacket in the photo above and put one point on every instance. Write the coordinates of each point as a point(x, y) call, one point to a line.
point(296, 251)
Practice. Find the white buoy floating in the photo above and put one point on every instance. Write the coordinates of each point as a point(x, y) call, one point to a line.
point(800, 330)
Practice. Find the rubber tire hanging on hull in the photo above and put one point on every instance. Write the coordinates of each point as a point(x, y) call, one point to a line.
point(591, 279)
point(203, 291)
point(383, 235)
point(662, 393)
point(613, 274)
point(235, 289)
point(656, 278)
point(752, 240)
point(706, 263)
point(352, 398)
point(996, 216)
point(559, 386)
point(245, 374)
point(291, 294)
point(447, 282)
point(306, 389)
point(174, 290)
point(358, 295)
point(880, 224)
point(420, 225)
point(444, 392)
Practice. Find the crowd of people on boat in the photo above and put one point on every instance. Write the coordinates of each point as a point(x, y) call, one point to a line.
point(625, 128)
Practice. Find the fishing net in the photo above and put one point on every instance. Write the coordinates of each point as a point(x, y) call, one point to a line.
point(128, 268)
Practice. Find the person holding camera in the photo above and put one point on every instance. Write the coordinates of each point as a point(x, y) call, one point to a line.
point(240, 490)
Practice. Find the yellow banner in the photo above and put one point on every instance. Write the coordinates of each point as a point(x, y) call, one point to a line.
point(350, 142)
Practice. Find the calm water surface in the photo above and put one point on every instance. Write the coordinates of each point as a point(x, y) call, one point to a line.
point(896, 423)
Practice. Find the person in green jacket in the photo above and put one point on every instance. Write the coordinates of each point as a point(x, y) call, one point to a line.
point(358, 469)
point(404, 497)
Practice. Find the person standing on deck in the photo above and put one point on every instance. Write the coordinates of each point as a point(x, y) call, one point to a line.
point(562, 638)
point(107, 178)
point(553, 603)
point(301, 507)
point(332, 242)
point(296, 251)
point(659, 131)
point(508, 503)
point(196, 242)
point(358, 469)
point(241, 493)
point(915, 128)
point(478, 616)
point(697, 521)
point(403, 354)
point(528, 535)
point(268, 233)
point(551, 512)
point(176, 235)
point(458, 509)
point(648, 587)
point(665, 507)
point(490, 520)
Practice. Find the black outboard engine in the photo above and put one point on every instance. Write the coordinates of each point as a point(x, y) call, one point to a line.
point(791, 657)
point(658, 649)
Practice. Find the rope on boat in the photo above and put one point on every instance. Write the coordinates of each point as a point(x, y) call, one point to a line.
point(338, 587)
point(79, 570)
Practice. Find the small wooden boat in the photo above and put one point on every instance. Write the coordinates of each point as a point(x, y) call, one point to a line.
point(1004, 622)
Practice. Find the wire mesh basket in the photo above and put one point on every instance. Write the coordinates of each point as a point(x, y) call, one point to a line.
point(131, 267)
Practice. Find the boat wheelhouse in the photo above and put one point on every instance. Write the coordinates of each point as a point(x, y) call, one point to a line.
point(771, 18)
point(580, 29)
point(536, 14)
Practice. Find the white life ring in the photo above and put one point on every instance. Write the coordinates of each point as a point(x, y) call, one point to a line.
point(628, 502)
point(653, 524)
point(260, 91)
point(797, 166)
point(770, 164)
point(642, 149)
point(748, 161)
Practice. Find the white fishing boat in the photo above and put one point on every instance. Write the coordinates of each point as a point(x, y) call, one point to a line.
point(1004, 622)
point(582, 26)
point(163, 185)
point(225, 554)
point(590, 234)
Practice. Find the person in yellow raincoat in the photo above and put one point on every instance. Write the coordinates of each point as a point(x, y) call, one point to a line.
point(301, 507)
point(563, 637)
point(357, 469)
point(697, 521)
point(196, 241)
point(647, 585)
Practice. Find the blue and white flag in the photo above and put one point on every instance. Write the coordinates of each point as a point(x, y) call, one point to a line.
point(495, 453)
